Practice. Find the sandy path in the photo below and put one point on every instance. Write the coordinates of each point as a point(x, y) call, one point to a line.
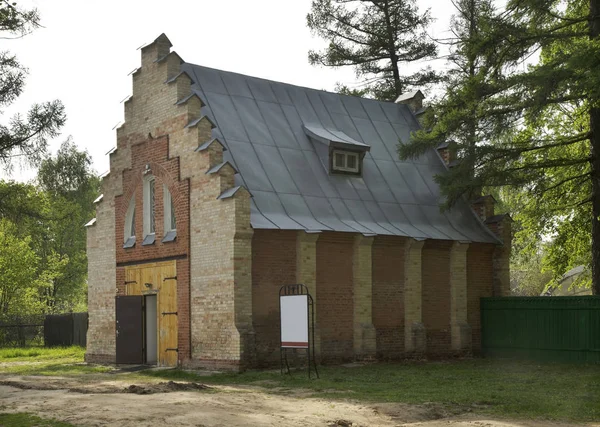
point(99, 403)
point(228, 407)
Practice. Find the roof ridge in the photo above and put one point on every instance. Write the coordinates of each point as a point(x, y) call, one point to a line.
point(289, 84)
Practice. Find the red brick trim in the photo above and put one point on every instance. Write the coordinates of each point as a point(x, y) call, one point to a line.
point(294, 344)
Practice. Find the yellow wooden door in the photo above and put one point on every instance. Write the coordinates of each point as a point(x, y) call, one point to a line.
point(167, 312)
point(132, 281)
point(159, 279)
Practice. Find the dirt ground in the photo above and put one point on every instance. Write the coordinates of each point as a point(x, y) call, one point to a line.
point(106, 402)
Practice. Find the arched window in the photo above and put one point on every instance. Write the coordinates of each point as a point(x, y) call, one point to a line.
point(129, 231)
point(170, 225)
point(149, 210)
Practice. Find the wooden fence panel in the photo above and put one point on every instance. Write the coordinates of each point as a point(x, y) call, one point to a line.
point(65, 329)
point(80, 327)
point(564, 329)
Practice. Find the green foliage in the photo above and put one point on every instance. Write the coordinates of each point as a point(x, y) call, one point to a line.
point(23, 137)
point(377, 38)
point(18, 262)
point(43, 225)
point(345, 90)
point(15, 20)
point(49, 219)
point(524, 125)
point(71, 186)
point(24, 205)
point(69, 175)
point(528, 277)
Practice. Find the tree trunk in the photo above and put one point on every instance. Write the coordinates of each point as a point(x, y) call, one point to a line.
point(474, 193)
point(594, 26)
point(392, 50)
point(595, 173)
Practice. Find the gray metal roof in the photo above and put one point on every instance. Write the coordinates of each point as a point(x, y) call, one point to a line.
point(408, 95)
point(275, 133)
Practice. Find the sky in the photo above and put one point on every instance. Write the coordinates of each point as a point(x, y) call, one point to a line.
point(85, 50)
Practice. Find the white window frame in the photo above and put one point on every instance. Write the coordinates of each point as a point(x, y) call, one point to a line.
point(344, 168)
point(168, 210)
point(147, 208)
point(129, 219)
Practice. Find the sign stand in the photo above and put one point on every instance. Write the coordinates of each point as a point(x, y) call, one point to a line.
point(297, 321)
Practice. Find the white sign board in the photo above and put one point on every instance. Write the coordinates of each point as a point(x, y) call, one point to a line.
point(294, 321)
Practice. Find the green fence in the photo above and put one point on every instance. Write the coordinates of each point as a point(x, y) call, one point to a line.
point(562, 329)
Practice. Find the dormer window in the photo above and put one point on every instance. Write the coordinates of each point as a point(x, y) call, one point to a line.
point(346, 161)
point(338, 152)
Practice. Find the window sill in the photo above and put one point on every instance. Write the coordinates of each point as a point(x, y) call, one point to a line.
point(129, 243)
point(149, 239)
point(170, 236)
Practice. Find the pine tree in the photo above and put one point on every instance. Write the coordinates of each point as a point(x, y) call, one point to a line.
point(465, 83)
point(24, 137)
point(538, 122)
point(377, 38)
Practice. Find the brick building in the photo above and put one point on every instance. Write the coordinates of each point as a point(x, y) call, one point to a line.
point(224, 187)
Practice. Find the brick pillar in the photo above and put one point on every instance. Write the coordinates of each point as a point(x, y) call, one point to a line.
point(364, 331)
point(306, 273)
point(414, 330)
point(460, 328)
point(501, 226)
point(242, 283)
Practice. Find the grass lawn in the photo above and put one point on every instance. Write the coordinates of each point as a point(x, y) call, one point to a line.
point(501, 388)
point(38, 354)
point(496, 387)
point(46, 361)
point(27, 420)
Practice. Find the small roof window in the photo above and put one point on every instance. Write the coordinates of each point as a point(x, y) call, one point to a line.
point(345, 161)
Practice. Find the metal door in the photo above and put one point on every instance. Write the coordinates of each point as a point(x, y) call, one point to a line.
point(130, 329)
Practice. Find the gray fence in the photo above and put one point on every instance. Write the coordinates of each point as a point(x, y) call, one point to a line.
point(49, 330)
point(21, 331)
point(65, 329)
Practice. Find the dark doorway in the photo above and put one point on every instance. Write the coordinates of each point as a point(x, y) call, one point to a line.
point(151, 330)
point(130, 329)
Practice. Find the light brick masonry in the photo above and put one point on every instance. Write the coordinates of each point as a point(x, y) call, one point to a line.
point(460, 329)
point(369, 291)
point(306, 273)
point(414, 330)
point(364, 332)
